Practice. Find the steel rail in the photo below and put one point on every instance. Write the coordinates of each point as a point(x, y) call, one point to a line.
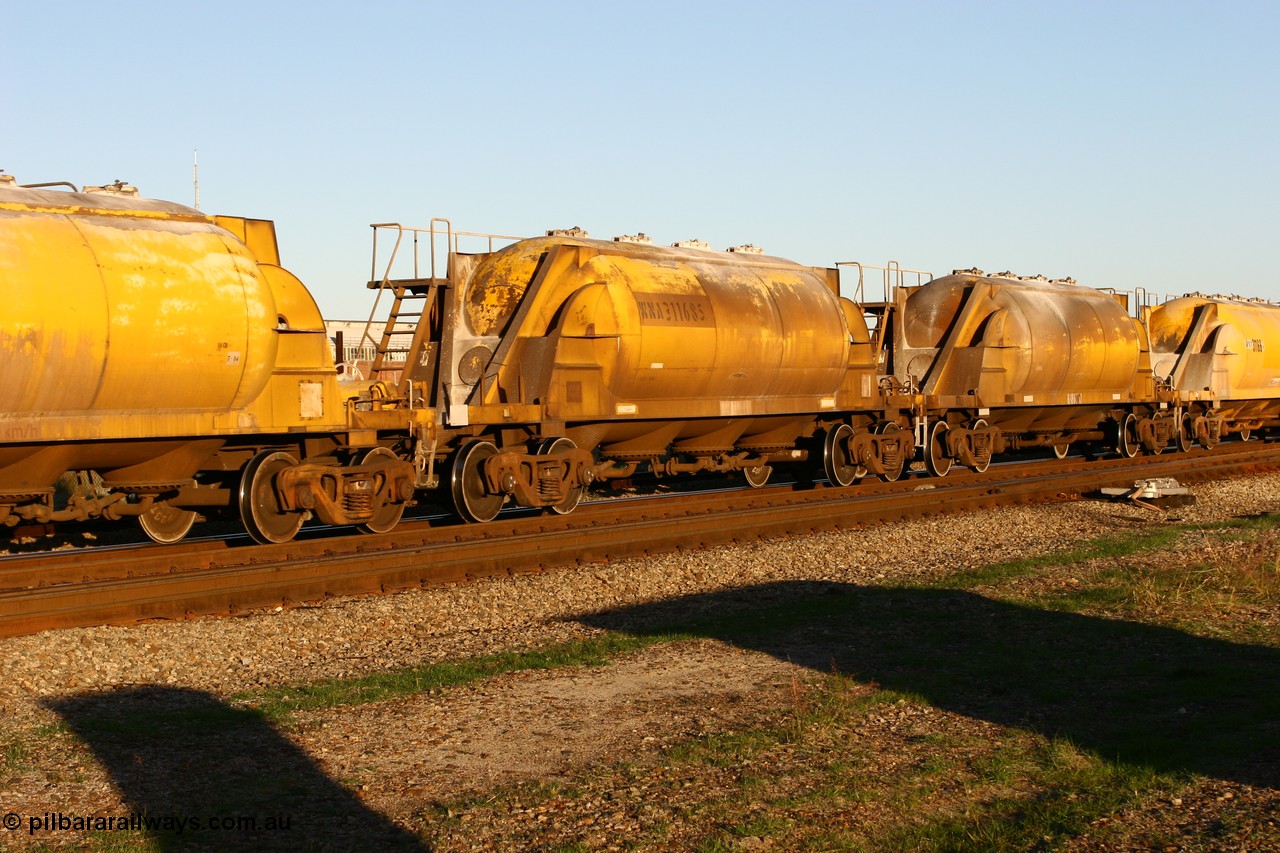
point(84, 587)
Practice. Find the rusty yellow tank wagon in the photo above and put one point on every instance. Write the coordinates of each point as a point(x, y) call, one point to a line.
point(569, 359)
point(990, 362)
point(1222, 356)
point(170, 353)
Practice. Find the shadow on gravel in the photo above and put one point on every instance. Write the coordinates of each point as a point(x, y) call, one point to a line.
point(203, 775)
point(1124, 690)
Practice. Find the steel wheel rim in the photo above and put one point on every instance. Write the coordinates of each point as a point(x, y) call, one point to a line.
point(166, 524)
point(266, 522)
point(391, 512)
point(1126, 446)
point(981, 464)
point(835, 456)
point(572, 494)
point(936, 461)
point(467, 483)
point(758, 475)
point(1184, 439)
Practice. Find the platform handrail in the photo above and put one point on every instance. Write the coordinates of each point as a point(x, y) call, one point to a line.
point(436, 230)
point(892, 275)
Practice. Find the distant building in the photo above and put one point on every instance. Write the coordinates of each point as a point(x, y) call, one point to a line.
point(358, 349)
point(351, 332)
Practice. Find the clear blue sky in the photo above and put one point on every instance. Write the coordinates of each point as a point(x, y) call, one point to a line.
point(1122, 143)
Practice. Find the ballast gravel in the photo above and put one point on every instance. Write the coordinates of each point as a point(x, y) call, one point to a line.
point(351, 636)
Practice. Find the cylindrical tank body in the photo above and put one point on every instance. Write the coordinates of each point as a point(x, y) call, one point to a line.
point(1019, 340)
point(1231, 346)
point(116, 303)
point(664, 324)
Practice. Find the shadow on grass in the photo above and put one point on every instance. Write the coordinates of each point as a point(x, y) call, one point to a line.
point(1127, 691)
point(212, 777)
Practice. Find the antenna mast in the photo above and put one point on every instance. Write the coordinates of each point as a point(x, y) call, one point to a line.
point(195, 174)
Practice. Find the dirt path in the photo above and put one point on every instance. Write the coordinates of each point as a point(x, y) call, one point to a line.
point(541, 724)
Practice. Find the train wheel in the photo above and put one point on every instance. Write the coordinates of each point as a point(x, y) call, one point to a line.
point(390, 514)
point(757, 476)
point(572, 494)
point(892, 468)
point(981, 459)
point(1184, 436)
point(1127, 436)
point(936, 460)
point(260, 510)
point(166, 524)
point(1060, 451)
point(835, 457)
point(471, 496)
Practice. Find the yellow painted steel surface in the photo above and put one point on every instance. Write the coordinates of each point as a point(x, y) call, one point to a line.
point(104, 307)
point(1020, 341)
point(128, 317)
point(636, 326)
point(1229, 347)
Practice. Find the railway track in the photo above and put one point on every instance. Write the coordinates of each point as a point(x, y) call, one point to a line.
point(95, 586)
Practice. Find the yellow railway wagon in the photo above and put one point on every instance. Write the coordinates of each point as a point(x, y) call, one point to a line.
point(1222, 356)
point(626, 353)
point(999, 360)
point(148, 342)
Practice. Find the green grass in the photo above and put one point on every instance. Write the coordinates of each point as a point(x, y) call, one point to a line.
point(1110, 547)
point(730, 839)
point(278, 702)
point(1071, 789)
point(1150, 579)
point(131, 842)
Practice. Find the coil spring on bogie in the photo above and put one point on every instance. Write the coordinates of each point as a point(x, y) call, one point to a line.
point(549, 483)
point(357, 497)
point(360, 503)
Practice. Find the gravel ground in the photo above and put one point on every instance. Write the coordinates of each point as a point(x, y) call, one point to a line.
point(396, 761)
point(342, 637)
